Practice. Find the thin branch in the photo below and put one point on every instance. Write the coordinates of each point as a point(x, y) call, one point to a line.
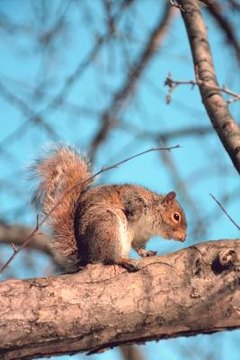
point(132, 78)
point(172, 84)
point(216, 11)
point(89, 179)
point(60, 97)
point(209, 217)
point(131, 353)
point(101, 40)
point(234, 4)
point(27, 112)
point(197, 131)
point(223, 122)
point(176, 5)
point(225, 211)
point(17, 233)
point(177, 180)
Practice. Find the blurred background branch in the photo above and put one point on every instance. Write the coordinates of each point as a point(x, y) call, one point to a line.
point(91, 74)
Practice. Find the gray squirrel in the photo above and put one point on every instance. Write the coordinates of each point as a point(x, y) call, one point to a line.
point(102, 223)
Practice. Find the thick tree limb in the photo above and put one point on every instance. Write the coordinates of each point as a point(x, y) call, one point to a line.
point(222, 121)
point(105, 306)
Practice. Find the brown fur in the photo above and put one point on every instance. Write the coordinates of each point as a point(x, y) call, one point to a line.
point(58, 171)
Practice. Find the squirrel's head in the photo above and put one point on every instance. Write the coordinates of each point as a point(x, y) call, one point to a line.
point(174, 224)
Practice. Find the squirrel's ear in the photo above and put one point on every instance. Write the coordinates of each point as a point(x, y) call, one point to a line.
point(169, 196)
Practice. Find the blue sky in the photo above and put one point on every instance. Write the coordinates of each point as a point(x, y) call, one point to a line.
point(24, 67)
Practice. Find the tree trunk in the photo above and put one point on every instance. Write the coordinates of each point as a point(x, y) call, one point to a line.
point(192, 291)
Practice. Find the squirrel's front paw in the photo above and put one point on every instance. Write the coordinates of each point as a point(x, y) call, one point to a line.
point(150, 253)
point(129, 264)
point(145, 253)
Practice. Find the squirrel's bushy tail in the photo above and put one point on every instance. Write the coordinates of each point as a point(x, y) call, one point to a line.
point(58, 173)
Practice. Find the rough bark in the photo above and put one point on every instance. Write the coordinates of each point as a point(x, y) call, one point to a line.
point(217, 109)
point(195, 290)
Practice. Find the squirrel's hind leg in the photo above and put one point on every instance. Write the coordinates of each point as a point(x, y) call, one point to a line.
point(106, 240)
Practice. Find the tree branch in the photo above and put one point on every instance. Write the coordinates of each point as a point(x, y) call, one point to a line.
point(172, 84)
point(215, 10)
point(222, 120)
point(105, 306)
point(16, 234)
point(123, 94)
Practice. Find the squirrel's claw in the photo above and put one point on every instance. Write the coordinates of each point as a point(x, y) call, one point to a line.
point(150, 253)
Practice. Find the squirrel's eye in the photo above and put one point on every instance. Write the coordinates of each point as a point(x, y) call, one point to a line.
point(176, 216)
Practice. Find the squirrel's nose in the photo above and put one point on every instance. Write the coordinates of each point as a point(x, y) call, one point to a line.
point(182, 238)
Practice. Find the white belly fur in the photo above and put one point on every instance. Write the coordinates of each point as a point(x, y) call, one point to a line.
point(137, 234)
point(125, 236)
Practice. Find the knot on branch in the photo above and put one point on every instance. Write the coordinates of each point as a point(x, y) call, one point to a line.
point(226, 260)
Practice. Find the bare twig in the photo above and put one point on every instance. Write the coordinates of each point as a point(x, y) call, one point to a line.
point(172, 84)
point(225, 211)
point(14, 247)
point(89, 179)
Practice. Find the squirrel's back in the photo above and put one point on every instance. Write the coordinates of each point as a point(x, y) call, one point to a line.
point(62, 175)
